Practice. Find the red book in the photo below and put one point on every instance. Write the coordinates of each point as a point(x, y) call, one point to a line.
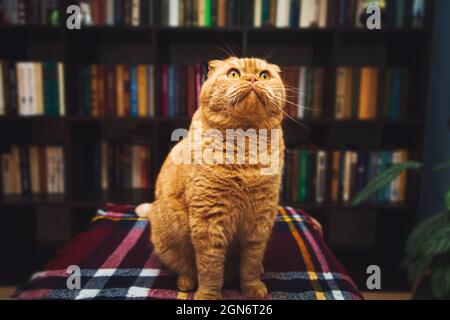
point(127, 90)
point(102, 90)
point(102, 12)
point(165, 90)
point(190, 90)
point(110, 91)
point(42, 170)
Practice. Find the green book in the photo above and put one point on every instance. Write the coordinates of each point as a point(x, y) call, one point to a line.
point(51, 95)
point(265, 12)
point(207, 13)
point(303, 176)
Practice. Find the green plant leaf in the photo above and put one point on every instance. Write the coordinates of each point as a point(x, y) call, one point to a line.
point(447, 200)
point(442, 166)
point(440, 277)
point(417, 268)
point(424, 231)
point(383, 179)
point(437, 243)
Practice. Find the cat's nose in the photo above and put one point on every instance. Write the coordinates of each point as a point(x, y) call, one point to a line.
point(252, 79)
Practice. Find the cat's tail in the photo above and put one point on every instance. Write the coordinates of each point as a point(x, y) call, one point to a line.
point(143, 210)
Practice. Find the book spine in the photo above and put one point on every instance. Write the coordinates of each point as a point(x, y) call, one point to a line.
point(173, 13)
point(120, 91)
point(24, 170)
point(321, 176)
point(133, 91)
point(142, 90)
point(207, 13)
point(303, 176)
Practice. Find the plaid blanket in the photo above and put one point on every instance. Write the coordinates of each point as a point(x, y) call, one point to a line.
point(117, 262)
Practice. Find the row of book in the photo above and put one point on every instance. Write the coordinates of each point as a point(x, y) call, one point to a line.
point(289, 13)
point(319, 176)
point(134, 13)
point(33, 170)
point(129, 90)
point(357, 93)
point(202, 13)
point(117, 90)
point(32, 88)
point(395, 13)
point(304, 91)
point(123, 166)
point(23, 12)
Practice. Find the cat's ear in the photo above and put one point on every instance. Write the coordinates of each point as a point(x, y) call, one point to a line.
point(212, 65)
point(275, 68)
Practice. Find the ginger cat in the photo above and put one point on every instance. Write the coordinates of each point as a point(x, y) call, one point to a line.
point(201, 210)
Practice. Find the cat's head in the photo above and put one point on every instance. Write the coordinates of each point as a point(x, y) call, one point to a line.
point(243, 92)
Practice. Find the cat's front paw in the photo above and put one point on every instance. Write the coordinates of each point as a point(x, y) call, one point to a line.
point(201, 295)
point(255, 290)
point(186, 283)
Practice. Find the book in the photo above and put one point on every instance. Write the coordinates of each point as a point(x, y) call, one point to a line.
point(368, 93)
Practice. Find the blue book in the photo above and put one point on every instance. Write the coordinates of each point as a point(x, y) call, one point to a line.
point(172, 91)
point(387, 164)
point(372, 170)
point(381, 166)
point(396, 85)
point(133, 91)
point(294, 10)
point(400, 13)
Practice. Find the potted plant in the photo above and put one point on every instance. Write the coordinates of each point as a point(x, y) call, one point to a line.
point(427, 252)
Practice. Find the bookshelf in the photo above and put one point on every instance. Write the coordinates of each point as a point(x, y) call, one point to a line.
point(331, 47)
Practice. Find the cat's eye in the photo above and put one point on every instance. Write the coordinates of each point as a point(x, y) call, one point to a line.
point(264, 75)
point(234, 74)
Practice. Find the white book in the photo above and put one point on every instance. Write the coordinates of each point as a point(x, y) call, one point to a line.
point(257, 11)
point(39, 88)
point(21, 98)
point(302, 92)
point(110, 12)
point(347, 176)
point(7, 174)
point(201, 13)
point(282, 18)
point(136, 165)
point(323, 12)
point(50, 170)
point(135, 13)
point(60, 170)
point(173, 13)
point(308, 13)
point(61, 90)
point(2, 94)
point(321, 176)
point(31, 88)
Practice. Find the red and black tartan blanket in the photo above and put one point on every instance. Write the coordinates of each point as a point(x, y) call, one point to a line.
point(116, 261)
